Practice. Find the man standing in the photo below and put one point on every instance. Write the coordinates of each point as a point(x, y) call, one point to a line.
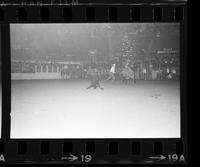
point(174, 73)
point(133, 68)
point(144, 72)
point(112, 73)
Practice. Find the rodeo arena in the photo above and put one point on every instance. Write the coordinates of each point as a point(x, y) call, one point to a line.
point(102, 80)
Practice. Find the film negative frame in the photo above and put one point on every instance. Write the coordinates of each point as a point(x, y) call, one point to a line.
point(92, 151)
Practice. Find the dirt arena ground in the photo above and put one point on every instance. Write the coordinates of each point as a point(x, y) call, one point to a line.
point(65, 109)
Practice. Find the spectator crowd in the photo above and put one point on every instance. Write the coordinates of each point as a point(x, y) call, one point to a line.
point(158, 67)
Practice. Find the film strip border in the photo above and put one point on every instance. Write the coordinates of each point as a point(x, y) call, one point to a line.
point(100, 151)
point(94, 151)
point(92, 13)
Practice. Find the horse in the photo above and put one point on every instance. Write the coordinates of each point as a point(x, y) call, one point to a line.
point(127, 75)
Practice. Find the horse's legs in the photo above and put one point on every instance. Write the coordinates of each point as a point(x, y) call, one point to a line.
point(124, 80)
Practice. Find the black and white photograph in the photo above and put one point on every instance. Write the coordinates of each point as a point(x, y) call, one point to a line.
point(95, 80)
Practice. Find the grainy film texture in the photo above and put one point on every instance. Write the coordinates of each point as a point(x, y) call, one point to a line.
point(97, 80)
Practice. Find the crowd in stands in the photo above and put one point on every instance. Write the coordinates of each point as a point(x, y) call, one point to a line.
point(159, 67)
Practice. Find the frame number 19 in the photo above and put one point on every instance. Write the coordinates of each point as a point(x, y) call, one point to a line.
point(86, 158)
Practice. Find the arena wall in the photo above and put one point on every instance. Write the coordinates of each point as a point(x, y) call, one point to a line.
point(31, 76)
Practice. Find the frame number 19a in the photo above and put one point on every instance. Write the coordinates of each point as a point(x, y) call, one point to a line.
point(175, 157)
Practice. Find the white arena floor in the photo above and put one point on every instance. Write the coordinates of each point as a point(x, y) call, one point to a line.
point(65, 109)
